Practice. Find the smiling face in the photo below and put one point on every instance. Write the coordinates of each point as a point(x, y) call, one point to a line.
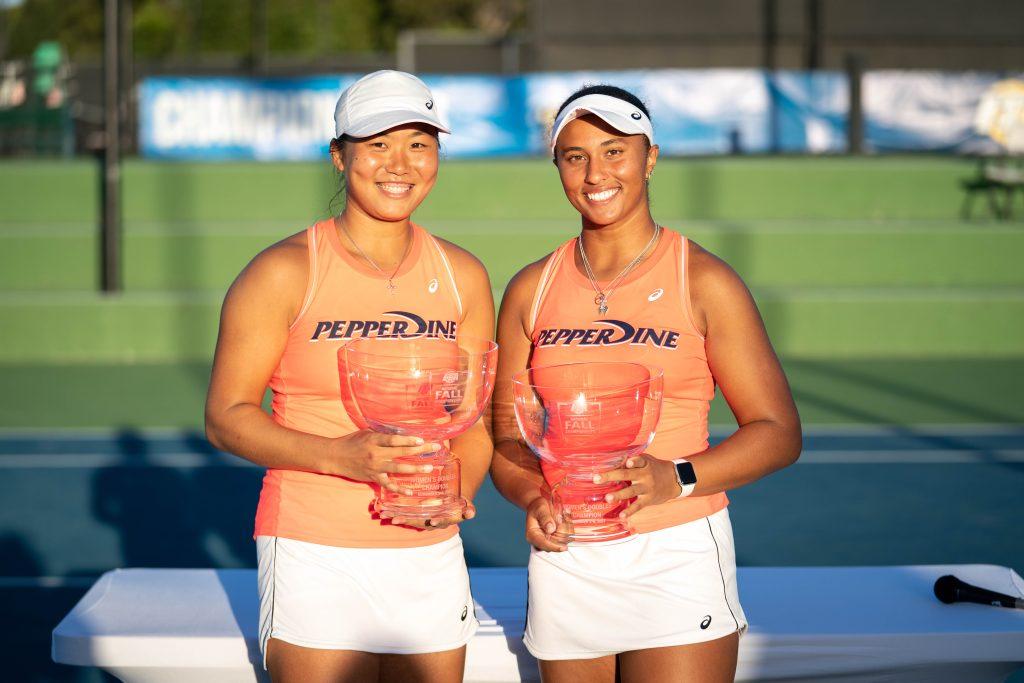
point(603, 171)
point(389, 174)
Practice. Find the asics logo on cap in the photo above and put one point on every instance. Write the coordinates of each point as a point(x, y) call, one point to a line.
point(383, 100)
point(620, 115)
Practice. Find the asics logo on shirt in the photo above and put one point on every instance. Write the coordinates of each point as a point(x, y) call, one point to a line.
point(656, 294)
point(612, 333)
point(406, 326)
point(432, 286)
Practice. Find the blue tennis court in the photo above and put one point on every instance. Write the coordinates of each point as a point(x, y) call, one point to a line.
point(860, 495)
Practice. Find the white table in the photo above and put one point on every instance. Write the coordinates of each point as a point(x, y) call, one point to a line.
point(806, 623)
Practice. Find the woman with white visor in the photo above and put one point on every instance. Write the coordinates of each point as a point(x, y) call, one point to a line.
point(344, 594)
point(663, 605)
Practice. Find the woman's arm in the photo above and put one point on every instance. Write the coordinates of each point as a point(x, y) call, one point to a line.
point(515, 470)
point(258, 310)
point(750, 376)
point(748, 372)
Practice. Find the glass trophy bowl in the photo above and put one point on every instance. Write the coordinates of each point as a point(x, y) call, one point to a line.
point(583, 419)
point(431, 387)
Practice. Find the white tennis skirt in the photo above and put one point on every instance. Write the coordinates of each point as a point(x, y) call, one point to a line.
point(382, 600)
point(675, 586)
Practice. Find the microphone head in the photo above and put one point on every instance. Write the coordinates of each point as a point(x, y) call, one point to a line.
point(946, 588)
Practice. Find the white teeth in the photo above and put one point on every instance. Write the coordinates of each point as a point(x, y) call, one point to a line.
point(395, 188)
point(601, 196)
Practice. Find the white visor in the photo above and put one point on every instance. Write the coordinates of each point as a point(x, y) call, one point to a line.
point(619, 114)
point(383, 100)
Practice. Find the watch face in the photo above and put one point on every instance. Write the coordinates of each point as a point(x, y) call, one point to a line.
point(686, 474)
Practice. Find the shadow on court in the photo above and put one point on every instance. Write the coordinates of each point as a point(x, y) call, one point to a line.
point(152, 509)
point(878, 382)
point(76, 503)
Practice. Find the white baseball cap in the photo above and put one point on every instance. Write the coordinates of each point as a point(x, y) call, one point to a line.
point(619, 114)
point(382, 100)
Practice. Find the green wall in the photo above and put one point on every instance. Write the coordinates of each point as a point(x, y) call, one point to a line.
point(848, 257)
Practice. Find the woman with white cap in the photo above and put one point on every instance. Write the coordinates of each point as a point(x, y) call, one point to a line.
point(663, 605)
point(345, 595)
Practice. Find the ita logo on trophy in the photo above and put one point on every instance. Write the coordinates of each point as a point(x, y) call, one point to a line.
point(431, 387)
point(583, 419)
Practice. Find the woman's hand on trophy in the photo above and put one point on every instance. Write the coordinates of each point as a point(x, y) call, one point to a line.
point(541, 523)
point(651, 481)
point(468, 512)
point(371, 456)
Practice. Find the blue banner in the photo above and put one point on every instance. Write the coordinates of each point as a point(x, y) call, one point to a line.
point(928, 111)
point(234, 118)
point(484, 114)
point(713, 111)
point(694, 111)
point(811, 111)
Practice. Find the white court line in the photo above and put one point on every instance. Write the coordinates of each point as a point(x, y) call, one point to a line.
point(56, 461)
point(47, 581)
point(540, 226)
point(61, 433)
point(924, 429)
point(86, 297)
point(794, 293)
point(909, 457)
point(716, 429)
point(31, 461)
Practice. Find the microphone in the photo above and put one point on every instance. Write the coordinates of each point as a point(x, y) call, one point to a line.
point(950, 589)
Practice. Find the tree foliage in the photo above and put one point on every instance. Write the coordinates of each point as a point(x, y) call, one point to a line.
point(76, 24)
point(194, 28)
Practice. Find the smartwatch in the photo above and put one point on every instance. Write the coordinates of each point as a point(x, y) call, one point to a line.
point(685, 477)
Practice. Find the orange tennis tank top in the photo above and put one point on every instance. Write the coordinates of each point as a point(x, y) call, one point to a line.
point(347, 298)
point(648, 321)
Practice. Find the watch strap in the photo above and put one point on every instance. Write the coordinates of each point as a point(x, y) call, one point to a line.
point(685, 477)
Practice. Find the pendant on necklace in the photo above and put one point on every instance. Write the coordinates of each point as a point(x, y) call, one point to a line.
point(602, 303)
point(391, 286)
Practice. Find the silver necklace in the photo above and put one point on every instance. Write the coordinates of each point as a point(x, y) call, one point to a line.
point(602, 296)
point(391, 286)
